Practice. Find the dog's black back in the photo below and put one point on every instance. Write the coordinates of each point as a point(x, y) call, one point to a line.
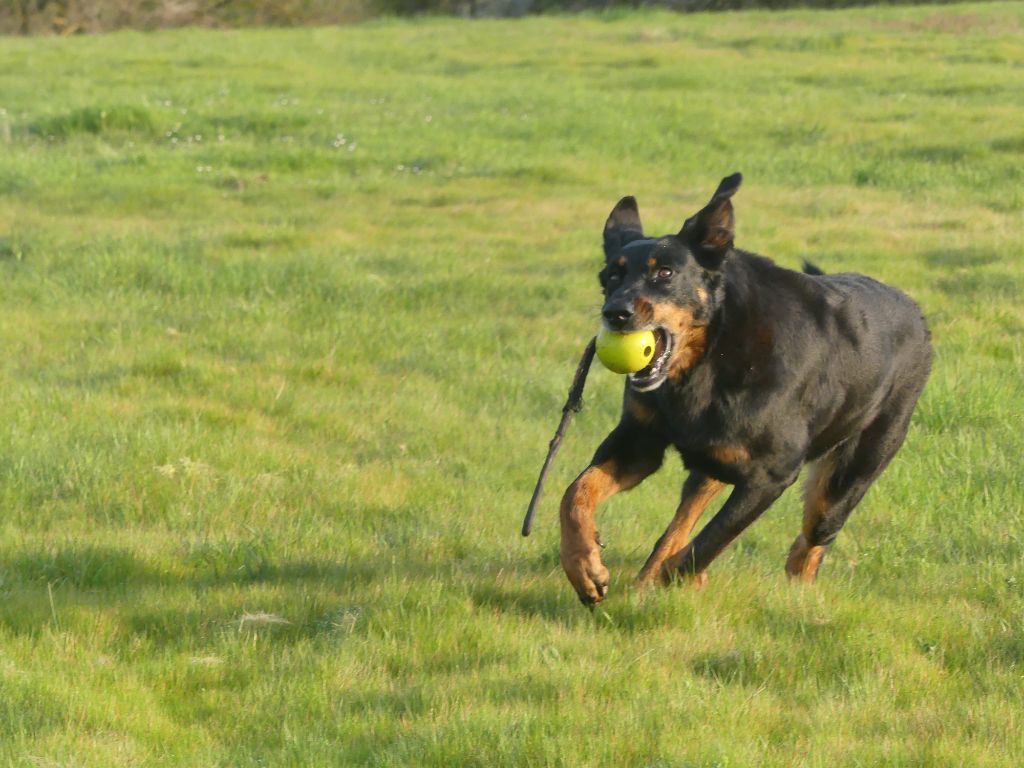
point(794, 364)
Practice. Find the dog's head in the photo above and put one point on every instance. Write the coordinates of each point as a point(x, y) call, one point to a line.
point(670, 285)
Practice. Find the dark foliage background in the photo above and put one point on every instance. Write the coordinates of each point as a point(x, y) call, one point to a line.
point(68, 17)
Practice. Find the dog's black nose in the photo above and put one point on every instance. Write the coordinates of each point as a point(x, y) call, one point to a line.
point(617, 316)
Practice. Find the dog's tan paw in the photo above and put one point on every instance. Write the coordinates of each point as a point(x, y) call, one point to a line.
point(587, 575)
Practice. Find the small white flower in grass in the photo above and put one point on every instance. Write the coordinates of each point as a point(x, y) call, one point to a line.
point(260, 619)
point(185, 467)
point(206, 661)
point(428, 119)
point(352, 147)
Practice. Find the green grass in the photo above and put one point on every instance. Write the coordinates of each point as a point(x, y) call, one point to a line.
point(287, 320)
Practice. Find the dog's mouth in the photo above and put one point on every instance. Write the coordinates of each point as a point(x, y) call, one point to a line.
point(656, 371)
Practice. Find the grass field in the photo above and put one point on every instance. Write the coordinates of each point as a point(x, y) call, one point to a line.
point(287, 319)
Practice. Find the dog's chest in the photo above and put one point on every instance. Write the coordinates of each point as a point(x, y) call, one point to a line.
point(708, 436)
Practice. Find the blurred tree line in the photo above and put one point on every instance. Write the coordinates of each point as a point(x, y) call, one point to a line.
point(68, 17)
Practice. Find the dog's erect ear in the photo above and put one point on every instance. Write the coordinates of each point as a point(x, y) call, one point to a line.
point(711, 230)
point(623, 226)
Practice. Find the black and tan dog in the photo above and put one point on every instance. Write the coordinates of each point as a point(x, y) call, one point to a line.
point(757, 371)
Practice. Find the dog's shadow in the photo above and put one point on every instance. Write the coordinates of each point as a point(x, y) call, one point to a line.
point(527, 600)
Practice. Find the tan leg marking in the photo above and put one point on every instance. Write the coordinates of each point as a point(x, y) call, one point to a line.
point(580, 552)
point(804, 560)
point(678, 532)
point(730, 454)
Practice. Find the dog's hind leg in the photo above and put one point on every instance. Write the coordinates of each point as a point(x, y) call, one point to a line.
point(837, 483)
point(698, 491)
point(805, 557)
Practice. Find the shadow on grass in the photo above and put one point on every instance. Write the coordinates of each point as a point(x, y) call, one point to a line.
point(79, 587)
point(961, 257)
point(982, 286)
point(538, 593)
point(93, 567)
point(730, 668)
point(558, 606)
point(213, 586)
point(81, 566)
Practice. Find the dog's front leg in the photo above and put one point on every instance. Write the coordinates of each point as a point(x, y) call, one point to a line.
point(744, 506)
point(626, 457)
point(698, 491)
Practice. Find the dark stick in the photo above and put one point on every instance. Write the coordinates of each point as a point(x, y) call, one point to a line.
point(573, 405)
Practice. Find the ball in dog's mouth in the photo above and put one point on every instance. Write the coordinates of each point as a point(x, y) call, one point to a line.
point(655, 372)
point(626, 352)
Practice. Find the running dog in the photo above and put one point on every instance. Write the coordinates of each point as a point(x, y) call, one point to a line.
point(757, 371)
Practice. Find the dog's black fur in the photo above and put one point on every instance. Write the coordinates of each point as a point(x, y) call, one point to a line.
point(758, 370)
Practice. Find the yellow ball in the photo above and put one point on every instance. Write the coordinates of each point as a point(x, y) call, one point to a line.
point(625, 352)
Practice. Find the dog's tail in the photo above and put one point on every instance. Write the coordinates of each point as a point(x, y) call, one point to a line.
point(810, 269)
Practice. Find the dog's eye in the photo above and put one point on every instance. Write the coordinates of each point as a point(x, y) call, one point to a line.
point(664, 273)
point(613, 279)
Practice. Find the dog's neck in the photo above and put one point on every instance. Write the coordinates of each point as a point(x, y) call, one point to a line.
point(741, 332)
